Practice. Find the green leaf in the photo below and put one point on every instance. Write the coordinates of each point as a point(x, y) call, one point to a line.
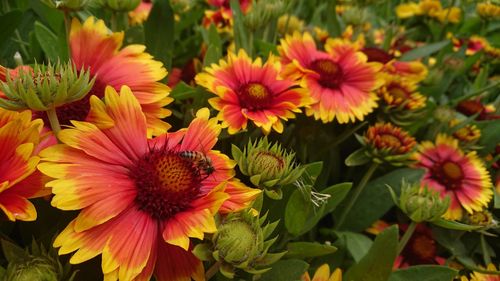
point(9, 22)
point(240, 36)
point(301, 250)
point(337, 193)
point(297, 211)
point(214, 51)
point(183, 91)
point(357, 158)
point(48, 41)
point(286, 270)
point(489, 134)
point(357, 244)
point(377, 264)
point(159, 32)
point(375, 200)
point(311, 172)
point(424, 272)
point(424, 51)
point(455, 225)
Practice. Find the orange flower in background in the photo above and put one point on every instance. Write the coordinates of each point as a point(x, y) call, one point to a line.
point(141, 13)
point(401, 93)
point(453, 173)
point(19, 179)
point(420, 249)
point(95, 48)
point(340, 81)
point(323, 274)
point(141, 200)
point(222, 17)
point(251, 91)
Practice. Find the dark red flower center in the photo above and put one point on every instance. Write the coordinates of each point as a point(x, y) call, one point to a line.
point(254, 96)
point(421, 249)
point(166, 183)
point(77, 110)
point(448, 174)
point(330, 73)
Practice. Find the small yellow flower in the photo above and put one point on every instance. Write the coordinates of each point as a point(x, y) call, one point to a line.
point(488, 11)
point(408, 10)
point(451, 15)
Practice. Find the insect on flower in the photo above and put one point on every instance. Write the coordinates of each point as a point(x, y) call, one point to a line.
point(202, 162)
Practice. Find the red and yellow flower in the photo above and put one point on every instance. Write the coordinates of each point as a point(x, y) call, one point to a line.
point(222, 17)
point(251, 91)
point(462, 177)
point(19, 179)
point(420, 249)
point(401, 93)
point(341, 82)
point(477, 276)
point(323, 274)
point(95, 48)
point(141, 200)
point(141, 13)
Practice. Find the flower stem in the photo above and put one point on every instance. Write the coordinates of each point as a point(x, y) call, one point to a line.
point(212, 270)
point(357, 192)
point(54, 121)
point(406, 237)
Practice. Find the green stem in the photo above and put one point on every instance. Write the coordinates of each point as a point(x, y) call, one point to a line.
point(54, 121)
point(212, 270)
point(357, 192)
point(406, 237)
point(114, 21)
point(67, 25)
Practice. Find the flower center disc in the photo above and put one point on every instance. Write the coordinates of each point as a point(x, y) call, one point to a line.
point(398, 93)
point(330, 73)
point(421, 250)
point(449, 174)
point(166, 183)
point(254, 96)
point(390, 141)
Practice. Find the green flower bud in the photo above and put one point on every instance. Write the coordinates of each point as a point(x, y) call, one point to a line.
point(262, 12)
point(240, 243)
point(46, 87)
point(268, 166)
point(121, 5)
point(35, 264)
point(422, 204)
point(74, 5)
point(355, 16)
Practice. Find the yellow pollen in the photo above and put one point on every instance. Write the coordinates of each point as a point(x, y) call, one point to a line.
point(452, 171)
point(173, 174)
point(257, 91)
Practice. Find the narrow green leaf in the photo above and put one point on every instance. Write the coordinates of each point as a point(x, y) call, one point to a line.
point(357, 158)
point(240, 36)
point(455, 225)
point(286, 270)
point(9, 22)
point(424, 272)
point(377, 264)
point(48, 41)
point(357, 244)
point(12, 252)
point(159, 32)
point(424, 51)
point(301, 250)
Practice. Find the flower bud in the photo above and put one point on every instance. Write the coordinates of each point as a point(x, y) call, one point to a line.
point(268, 166)
point(74, 5)
point(482, 218)
point(240, 243)
point(45, 87)
point(422, 204)
point(121, 5)
point(34, 269)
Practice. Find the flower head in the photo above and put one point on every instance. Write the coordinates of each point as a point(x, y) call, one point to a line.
point(268, 165)
point(241, 242)
point(420, 249)
point(94, 48)
point(462, 177)
point(488, 10)
point(466, 134)
point(140, 14)
point(141, 200)
point(323, 274)
point(401, 93)
point(19, 180)
point(251, 91)
point(388, 143)
point(477, 276)
point(340, 81)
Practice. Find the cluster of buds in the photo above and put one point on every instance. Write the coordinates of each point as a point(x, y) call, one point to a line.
point(240, 243)
point(45, 87)
point(34, 264)
point(384, 143)
point(268, 165)
point(420, 203)
point(72, 5)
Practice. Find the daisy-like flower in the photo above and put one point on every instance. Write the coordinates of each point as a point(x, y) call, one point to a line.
point(141, 199)
point(323, 274)
point(467, 134)
point(248, 90)
point(340, 81)
point(93, 47)
point(420, 249)
point(19, 179)
point(477, 276)
point(463, 177)
point(401, 93)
